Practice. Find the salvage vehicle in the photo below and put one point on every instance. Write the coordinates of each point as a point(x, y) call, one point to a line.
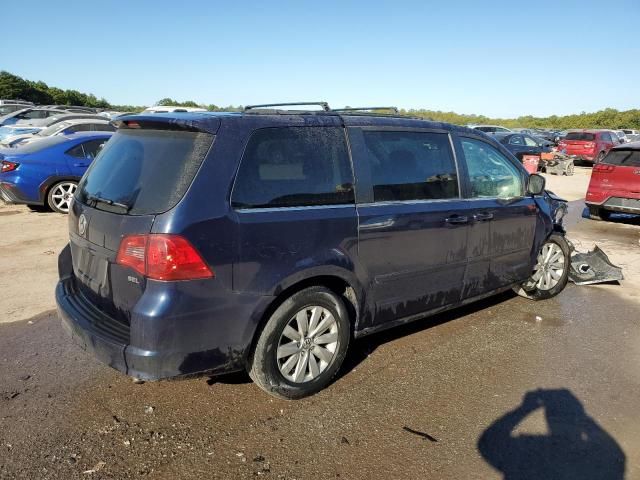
point(490, 128)
point(588, 145)
point(8, 108)
point(268, 240)
point(29, 114)
point(46, 173)
point(62, 127)
point(520, 144)
point(615, 183)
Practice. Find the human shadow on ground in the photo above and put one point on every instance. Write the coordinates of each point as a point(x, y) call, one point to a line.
point(575, 447)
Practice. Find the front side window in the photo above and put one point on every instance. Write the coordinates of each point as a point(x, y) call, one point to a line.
point(411, 166)
point(491, 174)
point(293, 167)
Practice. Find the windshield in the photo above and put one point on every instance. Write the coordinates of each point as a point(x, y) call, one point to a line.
point(147, 170)
point(581, 136)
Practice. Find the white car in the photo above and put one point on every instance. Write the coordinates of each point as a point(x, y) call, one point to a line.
point(60, 128)
point(490, 128)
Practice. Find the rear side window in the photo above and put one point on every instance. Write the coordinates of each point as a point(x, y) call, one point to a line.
point(411, 165)
point(624, 158)
point(294, 166)
point(147, 170)
point(588, 137)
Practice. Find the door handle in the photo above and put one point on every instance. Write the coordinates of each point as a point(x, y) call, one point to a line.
point(456, 220)
point(483, 217)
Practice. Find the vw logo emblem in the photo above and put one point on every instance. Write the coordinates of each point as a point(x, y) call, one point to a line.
point(82, 225)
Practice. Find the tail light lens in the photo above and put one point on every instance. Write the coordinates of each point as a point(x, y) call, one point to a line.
point(8, 166)
point(589, 145)
point(603, 168)
point(162, 257)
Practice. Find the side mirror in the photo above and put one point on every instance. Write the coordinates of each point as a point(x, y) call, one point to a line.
point(536, 184)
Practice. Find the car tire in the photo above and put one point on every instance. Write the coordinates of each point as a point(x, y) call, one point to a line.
point(599, 213)
point(599, 158)
point(543, 284)
point(60, 194)
point(289, 360)
point(569, 170)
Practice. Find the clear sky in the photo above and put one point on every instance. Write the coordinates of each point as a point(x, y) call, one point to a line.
point(494, 58)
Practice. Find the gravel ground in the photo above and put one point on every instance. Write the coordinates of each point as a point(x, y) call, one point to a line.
point(504, 387)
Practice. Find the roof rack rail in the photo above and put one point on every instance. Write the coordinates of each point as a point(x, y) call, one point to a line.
point(360, 109)
point(324, 105)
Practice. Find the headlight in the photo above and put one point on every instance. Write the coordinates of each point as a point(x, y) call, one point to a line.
point(561, 211)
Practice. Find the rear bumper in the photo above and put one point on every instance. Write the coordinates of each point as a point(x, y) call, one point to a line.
point(11, 194)
point(619, 204)
point(152, 346)
point(583, 157)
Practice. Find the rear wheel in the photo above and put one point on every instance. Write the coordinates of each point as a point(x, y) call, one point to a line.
point(569, 170)
point(302, 345)
point(551, 272)
point(60, 195)
point(599, 157)
point(598, 213)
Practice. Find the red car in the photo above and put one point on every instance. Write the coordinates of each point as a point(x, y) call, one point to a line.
point(588, 145)
point(615, 183)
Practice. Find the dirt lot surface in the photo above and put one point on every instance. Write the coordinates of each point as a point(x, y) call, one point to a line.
point(503, 388)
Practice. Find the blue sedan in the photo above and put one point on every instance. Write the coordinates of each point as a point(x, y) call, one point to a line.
point(46, 172)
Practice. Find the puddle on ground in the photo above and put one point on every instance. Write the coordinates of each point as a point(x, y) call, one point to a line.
point(544, 320)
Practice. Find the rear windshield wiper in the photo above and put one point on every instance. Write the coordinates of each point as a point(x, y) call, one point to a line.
point(95, 200)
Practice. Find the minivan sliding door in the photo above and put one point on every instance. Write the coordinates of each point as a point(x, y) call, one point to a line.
point(412, 221)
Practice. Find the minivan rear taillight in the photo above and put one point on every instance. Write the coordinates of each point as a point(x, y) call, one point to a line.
point(162, 257)
point(8, 166)
point(603, 168)
point(589, 145)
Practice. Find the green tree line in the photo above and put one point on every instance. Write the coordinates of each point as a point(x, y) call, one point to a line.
point(15, 87)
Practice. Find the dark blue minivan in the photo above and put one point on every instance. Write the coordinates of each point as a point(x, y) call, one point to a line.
point(267, 240)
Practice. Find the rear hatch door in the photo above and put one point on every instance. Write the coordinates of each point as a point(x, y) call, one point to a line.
point(144, 170)
point(624, 179)
point(577, 143)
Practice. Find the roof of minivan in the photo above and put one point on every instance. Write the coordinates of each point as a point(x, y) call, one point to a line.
point(210, 121)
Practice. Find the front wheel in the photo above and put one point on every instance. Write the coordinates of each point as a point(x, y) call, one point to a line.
point(302, 345)
point(60, 195)
point(551, 272)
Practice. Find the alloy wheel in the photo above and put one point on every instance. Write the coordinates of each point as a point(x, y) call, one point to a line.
point(308, 344)
point(550, 267)
point(62, 194)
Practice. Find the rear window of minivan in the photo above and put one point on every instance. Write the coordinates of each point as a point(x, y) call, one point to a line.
point(146, 170)
point(580, 136)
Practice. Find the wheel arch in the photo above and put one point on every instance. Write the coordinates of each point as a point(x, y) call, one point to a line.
point(45, 186)
point(341, 282)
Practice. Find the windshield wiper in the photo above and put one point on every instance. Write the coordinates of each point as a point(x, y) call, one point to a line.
point(96, 199)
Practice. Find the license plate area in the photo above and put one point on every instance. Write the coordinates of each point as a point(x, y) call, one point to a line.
point(91, 268)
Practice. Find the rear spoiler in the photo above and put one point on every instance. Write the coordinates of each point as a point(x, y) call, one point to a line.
point(186, 122)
